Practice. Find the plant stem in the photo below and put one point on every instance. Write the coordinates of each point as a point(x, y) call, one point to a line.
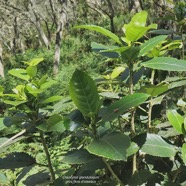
point(150, 103)
point(112, 172)
point(131, 91)
point(47, 156)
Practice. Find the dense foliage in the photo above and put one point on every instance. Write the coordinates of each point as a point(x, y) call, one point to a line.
point(115, 117)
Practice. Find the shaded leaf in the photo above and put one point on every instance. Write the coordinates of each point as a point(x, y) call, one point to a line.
point(122, 105)
point(161, 32)
point(39, 178)
point(115, 146)
point(78, 157)
point(103, 50)
point(156, 146)
point(16, 160)
point(139, 178)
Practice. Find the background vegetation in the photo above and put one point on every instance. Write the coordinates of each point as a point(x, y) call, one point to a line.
point(81, 108)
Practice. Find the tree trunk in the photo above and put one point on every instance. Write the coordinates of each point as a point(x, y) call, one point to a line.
point(38, 25)
point(60, 27)
point(1, 62)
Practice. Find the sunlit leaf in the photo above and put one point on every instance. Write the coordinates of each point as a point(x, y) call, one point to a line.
point(19, 73)
point(176, 120)
point(156, 146)
point(52, 99)
point(166, 63)
point(184, 152)
point(150, 44)
point(116, 72)
point(102, 31)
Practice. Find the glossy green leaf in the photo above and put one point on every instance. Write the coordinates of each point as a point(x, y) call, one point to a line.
point(122, 105)
point(166, 63)
point(33, 89)
point(14, 103)
point(132, 149)
point(177, 84)
point(83, 92)
point(19, 73)
point(16, 160)
point(102, 31)
point(176, 120)
point(139, 19)
point(184, 152)
point(55, 123)
point(48, 84)
point(78, 157)
point(52, 99)
point(116, 72)
point(31, 71)
point(133, 33)
point(156, 146)
point(136, 28)
point(150, 44)
point(112, 146)
point(155, 90)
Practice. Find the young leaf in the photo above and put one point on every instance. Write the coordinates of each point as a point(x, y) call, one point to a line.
point(122, 105)
point(115, 146)
point(35, 61)
point(155, 90)
point(156, 146)
point(150, 44)
point(116, 72)
point(83, 92)
point(176, 120)
point(52, 99)
point(166, 63)
point(102, 31)
point(31, 71)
